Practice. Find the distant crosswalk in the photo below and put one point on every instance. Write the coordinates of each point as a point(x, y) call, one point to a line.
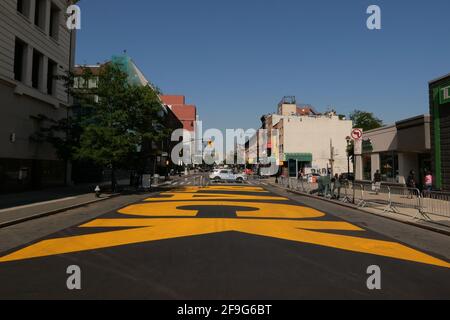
point(192, 181)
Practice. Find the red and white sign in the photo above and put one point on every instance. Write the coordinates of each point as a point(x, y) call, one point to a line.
point(357, 134)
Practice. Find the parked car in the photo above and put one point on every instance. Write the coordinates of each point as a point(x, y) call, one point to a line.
point(227, 175)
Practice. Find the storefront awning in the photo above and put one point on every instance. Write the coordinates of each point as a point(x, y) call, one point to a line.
point(301, 157)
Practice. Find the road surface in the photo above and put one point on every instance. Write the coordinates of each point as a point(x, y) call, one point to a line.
point(222, 242)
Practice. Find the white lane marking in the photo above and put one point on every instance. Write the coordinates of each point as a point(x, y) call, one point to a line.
point(36, 204)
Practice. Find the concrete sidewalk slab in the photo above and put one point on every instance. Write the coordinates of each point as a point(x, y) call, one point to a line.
point(440, 226)
point(28, 212)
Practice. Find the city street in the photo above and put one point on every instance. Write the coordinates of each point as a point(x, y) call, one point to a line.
point(222, 241)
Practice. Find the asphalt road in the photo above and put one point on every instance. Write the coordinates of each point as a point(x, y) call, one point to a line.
point(222, 242)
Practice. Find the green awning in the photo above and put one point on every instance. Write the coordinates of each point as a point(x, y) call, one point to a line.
point(302, 157)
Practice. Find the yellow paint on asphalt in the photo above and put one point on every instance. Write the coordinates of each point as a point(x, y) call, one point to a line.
point(260, 209)
point(176, 196)
point(281, 225)
point(222, 188)
point(160, 229)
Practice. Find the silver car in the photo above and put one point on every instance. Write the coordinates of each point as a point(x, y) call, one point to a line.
point(227, 175)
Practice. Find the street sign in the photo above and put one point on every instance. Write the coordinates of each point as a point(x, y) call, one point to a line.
point(357, 134)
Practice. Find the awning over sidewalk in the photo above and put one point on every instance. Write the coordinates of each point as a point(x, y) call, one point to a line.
point(301, 157)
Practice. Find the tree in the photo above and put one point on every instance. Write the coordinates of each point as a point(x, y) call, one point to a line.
point(115, 125)
point(365, 120)
point(124, 122)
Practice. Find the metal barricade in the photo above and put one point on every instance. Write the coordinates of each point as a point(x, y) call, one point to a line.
point(358, 195)
point(377, 194)
point(199, 181)
point(437, 203)
point(283, 181)
point(293, 184)
point(346, 192)
point(404, 198)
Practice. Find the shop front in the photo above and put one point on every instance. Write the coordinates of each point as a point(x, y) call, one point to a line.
point(394, 151)
point(440, 131)
point(297, 162)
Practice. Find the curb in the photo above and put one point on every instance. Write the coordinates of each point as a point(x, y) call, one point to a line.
point(53, 212)
point(352, 206)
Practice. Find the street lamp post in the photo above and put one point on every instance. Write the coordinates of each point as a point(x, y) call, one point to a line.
point(349, 139)
point(348, 156)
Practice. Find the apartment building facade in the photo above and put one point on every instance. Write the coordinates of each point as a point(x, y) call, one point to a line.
point(187, 114)
point(307, 140)
point(35, 46)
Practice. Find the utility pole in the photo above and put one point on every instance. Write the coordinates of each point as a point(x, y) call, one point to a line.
point(332, 157)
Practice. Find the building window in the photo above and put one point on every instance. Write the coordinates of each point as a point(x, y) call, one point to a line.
point(51, 77)
point(19, 55)
point(54, 22)
point(389, 166)
point(39, 14)
point(23, 7)
point(367, 167)
point(36, 69)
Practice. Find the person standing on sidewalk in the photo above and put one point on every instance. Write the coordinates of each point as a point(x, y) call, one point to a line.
point(428, 182)
point(411, 184)
point(336, 187)
point(376, 182)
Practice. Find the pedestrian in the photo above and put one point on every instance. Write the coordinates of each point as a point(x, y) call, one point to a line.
point(376, 187)
point(428, 181)
point(336, 187)
point(411, 182)
point(377, 176)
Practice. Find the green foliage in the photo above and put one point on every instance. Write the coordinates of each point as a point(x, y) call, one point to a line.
point(113, 125)
point(121, 121)
point(365, 120)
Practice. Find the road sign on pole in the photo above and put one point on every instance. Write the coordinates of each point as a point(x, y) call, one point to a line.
point(357, 136)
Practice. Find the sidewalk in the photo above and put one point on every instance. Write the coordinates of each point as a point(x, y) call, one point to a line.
point(407, 215)
point(20, 207)
point(58, 203)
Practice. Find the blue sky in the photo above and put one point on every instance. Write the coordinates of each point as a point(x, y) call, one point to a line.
point(236, 59)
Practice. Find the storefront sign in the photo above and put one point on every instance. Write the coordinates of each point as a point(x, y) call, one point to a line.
point(444, 94)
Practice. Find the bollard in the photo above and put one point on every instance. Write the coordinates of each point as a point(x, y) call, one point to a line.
point(97, 191)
